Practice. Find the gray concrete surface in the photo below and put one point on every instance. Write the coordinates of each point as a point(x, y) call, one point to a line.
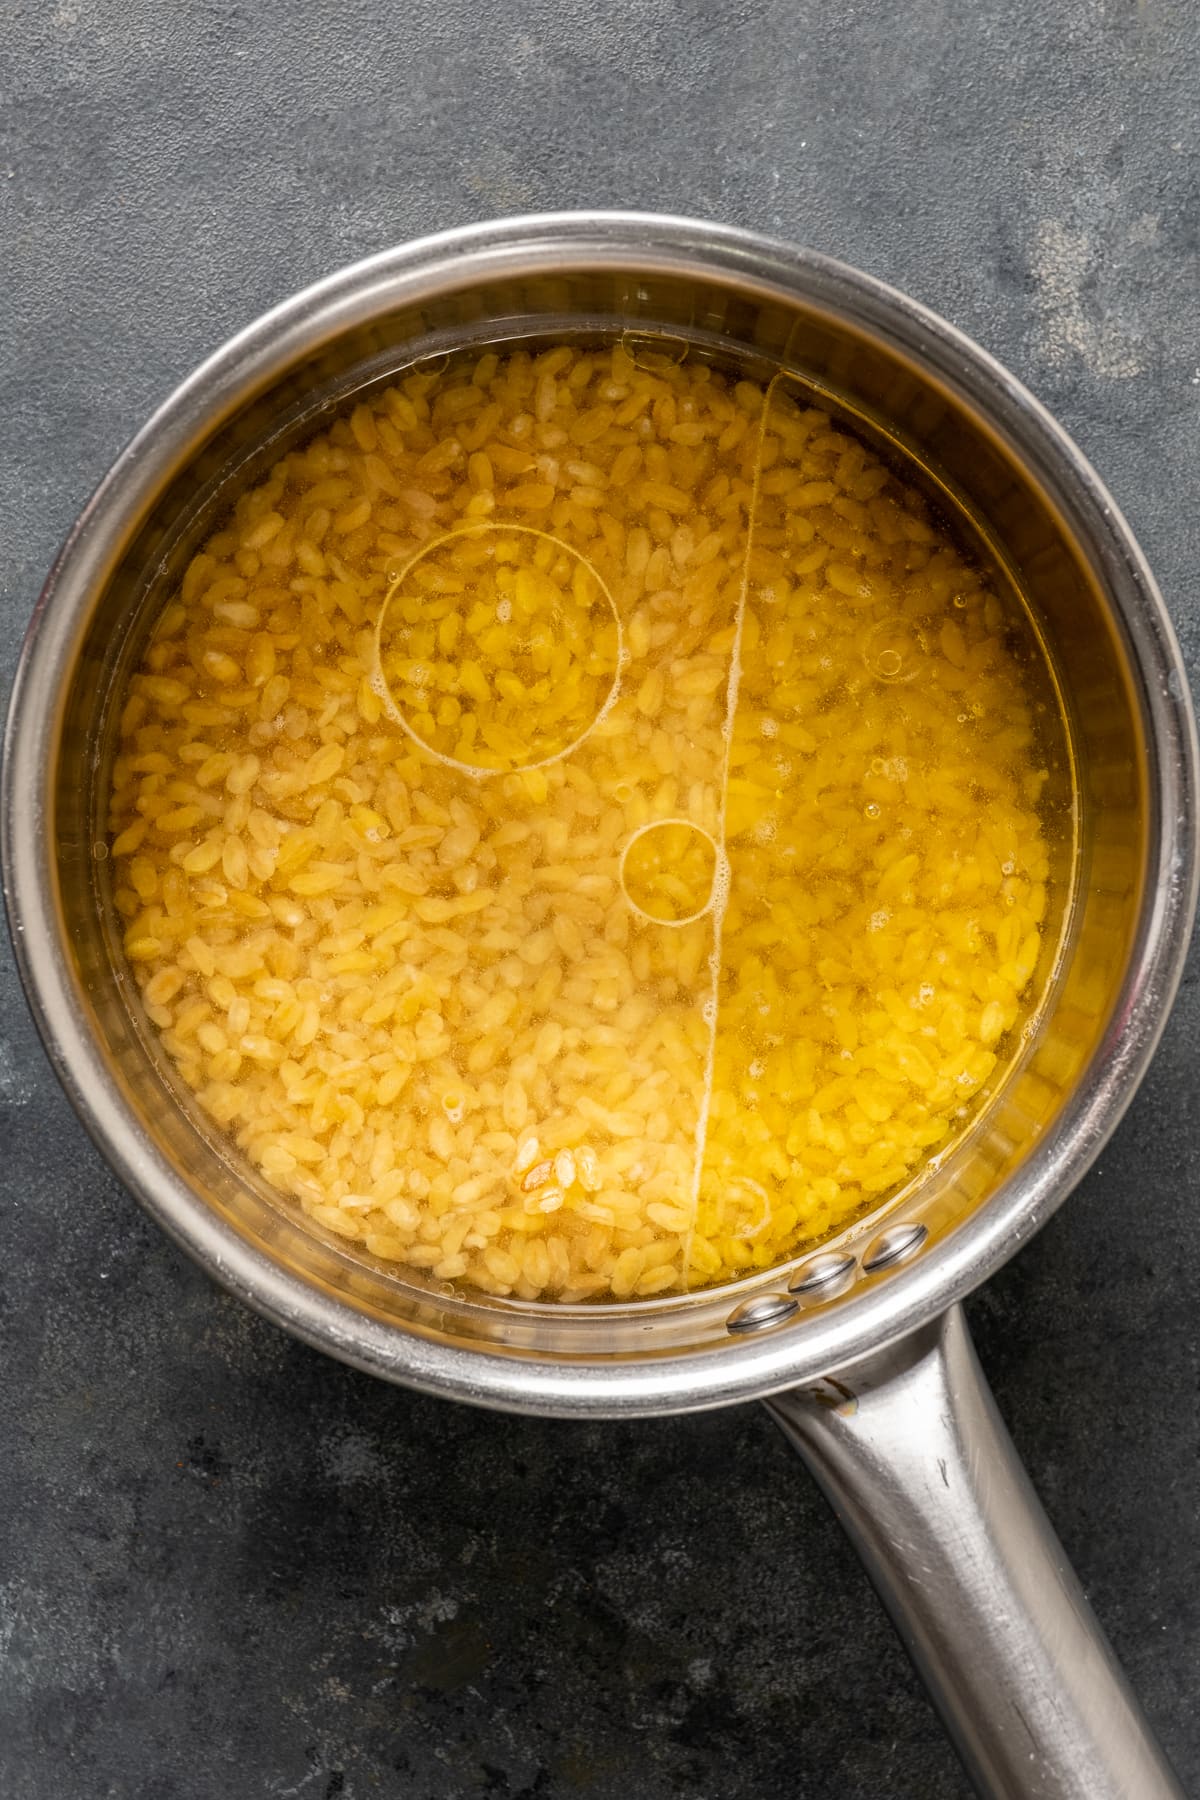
point(231, 1568)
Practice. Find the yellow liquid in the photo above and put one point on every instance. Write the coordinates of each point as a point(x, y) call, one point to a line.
point(577, 826)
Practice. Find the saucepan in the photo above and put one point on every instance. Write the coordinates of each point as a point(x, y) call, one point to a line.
point(860, 1348)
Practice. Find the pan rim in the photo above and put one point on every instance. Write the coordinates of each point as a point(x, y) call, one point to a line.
point(882, 1311)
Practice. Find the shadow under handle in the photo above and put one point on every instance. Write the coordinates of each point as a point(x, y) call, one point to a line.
point(918, 1466)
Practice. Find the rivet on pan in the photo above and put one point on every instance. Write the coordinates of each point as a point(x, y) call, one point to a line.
point(895, 1245)
point(763, 1310)
point(824, 1275)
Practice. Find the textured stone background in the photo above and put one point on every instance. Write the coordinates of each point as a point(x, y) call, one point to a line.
point(231, 1568)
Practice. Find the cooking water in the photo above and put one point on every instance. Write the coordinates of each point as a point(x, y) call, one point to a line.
point(581, 825)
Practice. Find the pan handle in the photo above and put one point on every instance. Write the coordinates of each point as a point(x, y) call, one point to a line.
point(914, 1457)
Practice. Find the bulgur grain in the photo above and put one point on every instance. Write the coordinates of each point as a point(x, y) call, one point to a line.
point(577, 825)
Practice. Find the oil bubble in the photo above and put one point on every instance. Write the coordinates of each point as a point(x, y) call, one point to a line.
point(744, 1207)
point(493, 728)
point(893, 650)
point(669, 871)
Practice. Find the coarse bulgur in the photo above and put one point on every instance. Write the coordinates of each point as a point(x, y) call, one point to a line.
point(576, 825)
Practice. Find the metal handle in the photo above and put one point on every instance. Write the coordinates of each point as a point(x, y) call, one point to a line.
point(915, 1459)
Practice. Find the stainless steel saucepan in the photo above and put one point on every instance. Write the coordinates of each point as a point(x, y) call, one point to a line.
point(861, 1351)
